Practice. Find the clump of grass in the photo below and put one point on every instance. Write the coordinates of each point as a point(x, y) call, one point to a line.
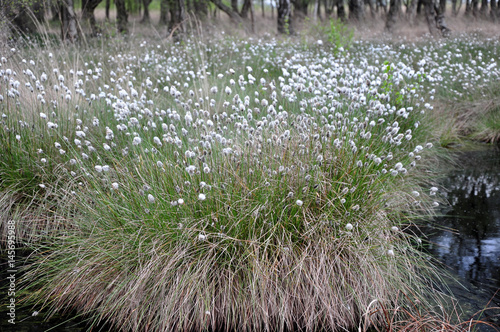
point(196, 194)
point(436, 318)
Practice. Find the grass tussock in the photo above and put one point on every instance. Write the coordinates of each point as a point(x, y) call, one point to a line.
point(220, 184)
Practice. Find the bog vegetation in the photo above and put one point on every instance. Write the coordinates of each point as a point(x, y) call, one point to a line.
point(222, 183)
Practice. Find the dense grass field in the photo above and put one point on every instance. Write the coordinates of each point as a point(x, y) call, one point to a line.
point(236, 184)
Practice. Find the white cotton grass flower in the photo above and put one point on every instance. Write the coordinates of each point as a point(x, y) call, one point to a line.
point(98, 168)
point(191, 169)
point(202, 237)
point(390, 252)
point(180, 201)
point(115, 186)
point(394, 228)
point(136, 141)
point(151, 198)
point(349, 226)
point(202, 197)
point(299, 202)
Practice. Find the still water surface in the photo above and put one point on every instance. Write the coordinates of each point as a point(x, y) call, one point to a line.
point(467, 237)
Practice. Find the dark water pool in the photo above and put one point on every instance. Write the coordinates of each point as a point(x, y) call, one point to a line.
point(467, 237)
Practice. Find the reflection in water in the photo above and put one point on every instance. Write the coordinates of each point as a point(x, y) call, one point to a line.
point(470, 245)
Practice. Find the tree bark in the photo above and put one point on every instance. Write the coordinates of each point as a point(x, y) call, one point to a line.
point(300, 8)
point(200, 8)
point(454, 10)
point(435, 19)
point(121, 16)
point(163, 12)
point(246, 8)
point(54, 10)
point(392, 15)
point(356, 10)
point(284, 17)
point(442, 6)
point(372, 8)
point(475, 8)
point(341, 10)
point(108, 5)
point(468, 8)
point(177, 13)
point(493, 10)
point(234, 6)
point(17, 14)
point(484, 8)
point(68, 21)
point(145, 16)
point(235, 17)
point(88, 7)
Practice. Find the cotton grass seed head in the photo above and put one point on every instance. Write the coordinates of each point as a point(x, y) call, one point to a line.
point(151, 198)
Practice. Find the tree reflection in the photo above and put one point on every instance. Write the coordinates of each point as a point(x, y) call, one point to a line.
point(473, 249)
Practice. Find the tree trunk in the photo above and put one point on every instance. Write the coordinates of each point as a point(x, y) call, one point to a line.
point(88, 7)
point(234, 6)
point(468, 8)
point(121, 16)
point(300, 8)
point(284, 17)
point(484, 8)
point(392, 16)
point(411, 12)
point(163, 12)
point(420, 4)
point(355, 10)
point(145, 16)
point(454, 10)
point(435, 19)
point(493, 11)
point(252, 19)
point(68, 21)
point(17, 14)
point(475, 8)
point(328, 9)
point(246, 8)
point(341, 10)
point(235, 17)
point(315, 10)
point(262, 5)
point(372, 8)
point(442, 6)
point(177, 12)
point(54, 10)
point(200, 8)
point(108, 5)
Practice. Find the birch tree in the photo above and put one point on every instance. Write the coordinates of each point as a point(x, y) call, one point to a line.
point(68, 21)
